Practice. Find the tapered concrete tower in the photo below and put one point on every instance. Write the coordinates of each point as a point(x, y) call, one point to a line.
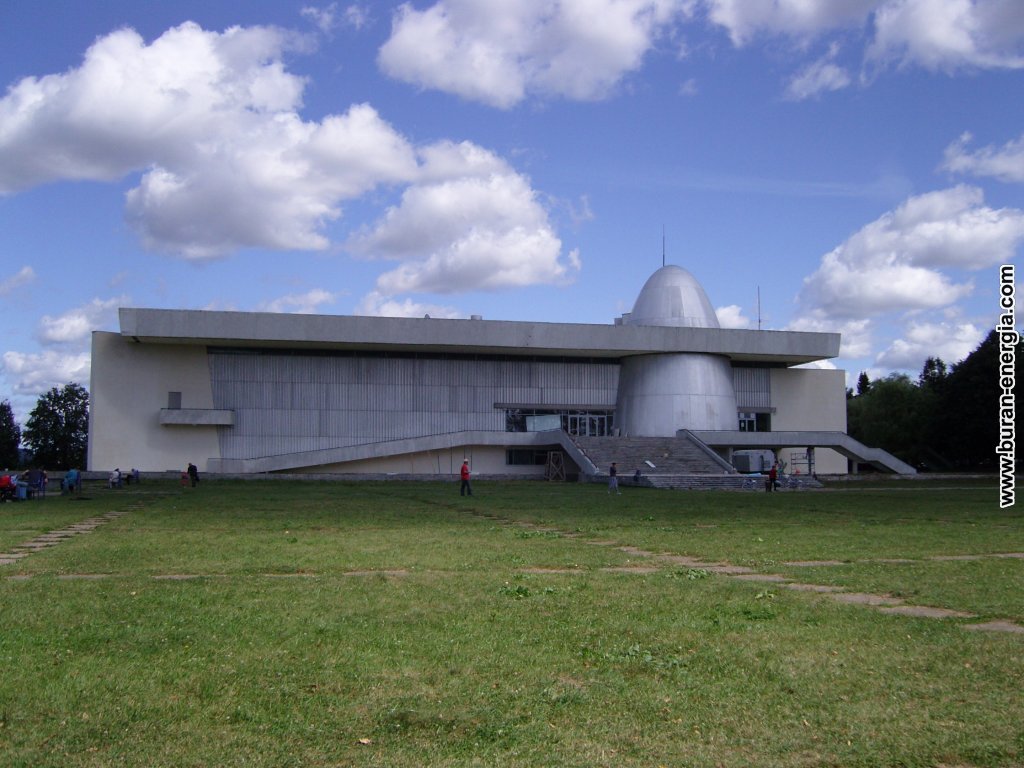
point(661, 394)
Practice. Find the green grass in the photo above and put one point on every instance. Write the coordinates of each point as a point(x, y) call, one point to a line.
point(386, 624)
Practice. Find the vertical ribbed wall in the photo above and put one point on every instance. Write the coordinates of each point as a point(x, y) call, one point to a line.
point(753, 387)
point(289, 403)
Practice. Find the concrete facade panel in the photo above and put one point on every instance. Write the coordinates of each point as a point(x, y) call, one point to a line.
point(128, 388)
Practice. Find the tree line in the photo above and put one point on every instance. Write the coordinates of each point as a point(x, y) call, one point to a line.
point(946, 420)
point(56, 433)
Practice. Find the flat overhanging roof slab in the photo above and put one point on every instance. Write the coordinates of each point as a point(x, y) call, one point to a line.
point(467, 337)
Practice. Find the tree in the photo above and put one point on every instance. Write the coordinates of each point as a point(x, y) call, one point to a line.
point(10, 437)
point(892, 414)
point(57, 430)
point(933, 374)
point(863, 384)
point(966, 418)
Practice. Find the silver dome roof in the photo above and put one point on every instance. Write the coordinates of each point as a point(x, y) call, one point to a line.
point(673, 297)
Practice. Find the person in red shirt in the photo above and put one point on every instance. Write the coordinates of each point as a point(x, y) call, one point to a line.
point(465, 489)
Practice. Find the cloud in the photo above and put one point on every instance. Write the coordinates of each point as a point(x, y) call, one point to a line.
point(1005, 163)
point(822, 75)
point(732, 317)
point(893, 263)
point(375, 304)
point(307, 303)
point(745, 19)
point(499, 53)
point(949, 34)
point(470, 222)
point(856, 332)
point(328, 18)
point(210, 119)
point(20, 279)
point(948, 341)
point(35, 373)
point(76, 325)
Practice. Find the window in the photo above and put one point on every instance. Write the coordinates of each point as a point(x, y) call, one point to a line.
point(582, 423)
point(755, 422)
point(526, 457)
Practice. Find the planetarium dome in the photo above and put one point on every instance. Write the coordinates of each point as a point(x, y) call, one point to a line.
point(661, 394)
point(673, 297)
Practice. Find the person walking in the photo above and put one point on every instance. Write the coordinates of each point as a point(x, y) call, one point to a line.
point(773, 479)
point(193, 474)
point(613, 479)
point(465, 489)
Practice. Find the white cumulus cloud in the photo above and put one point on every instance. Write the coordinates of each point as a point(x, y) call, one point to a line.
point(895, 263)
point(307, 303)
point(76, 325)
point(1005, 163)
point(951, 342)
point(210, 121)
point(732, 317)
point(950, 34)
point(744, 19)
point(376, 304)
point(498, 52)
point(470, 222)
point(38, 372)
point(818, 77)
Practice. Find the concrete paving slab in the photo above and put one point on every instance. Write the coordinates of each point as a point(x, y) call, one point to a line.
point(862, 598)
point(996, 626)
point(924, 611)
point(814, 563)
point(812, 587)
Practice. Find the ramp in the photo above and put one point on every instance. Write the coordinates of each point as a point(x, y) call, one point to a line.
point(838, 441)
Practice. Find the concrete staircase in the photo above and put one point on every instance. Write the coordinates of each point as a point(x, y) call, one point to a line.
point(680, 463)
point(669, 455)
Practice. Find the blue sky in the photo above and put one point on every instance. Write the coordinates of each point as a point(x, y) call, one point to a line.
point(858, 164)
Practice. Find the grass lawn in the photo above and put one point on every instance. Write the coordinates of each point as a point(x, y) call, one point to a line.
point(398, 624)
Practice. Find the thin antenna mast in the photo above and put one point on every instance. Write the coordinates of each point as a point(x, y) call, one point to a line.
point(759, 307)
point(663, 245)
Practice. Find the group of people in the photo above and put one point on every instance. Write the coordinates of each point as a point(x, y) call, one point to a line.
point(117, 478)
point(23, 486)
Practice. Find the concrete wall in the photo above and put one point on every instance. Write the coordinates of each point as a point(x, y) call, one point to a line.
point(294, 403)
point(810, 399)
point(129, 386)
point(483, 460)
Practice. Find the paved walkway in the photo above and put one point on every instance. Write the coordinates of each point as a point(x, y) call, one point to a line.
point(52, 538)
point(883, 603)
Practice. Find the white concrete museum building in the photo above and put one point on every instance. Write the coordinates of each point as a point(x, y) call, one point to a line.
point(244, 392)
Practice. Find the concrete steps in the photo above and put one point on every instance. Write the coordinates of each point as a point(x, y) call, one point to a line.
point(669, 455)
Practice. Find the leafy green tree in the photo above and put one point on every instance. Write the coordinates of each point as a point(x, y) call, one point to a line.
point(891, 414)
point(57, 430)
point(933, 374)
point(10, 436)
point(966, 416)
